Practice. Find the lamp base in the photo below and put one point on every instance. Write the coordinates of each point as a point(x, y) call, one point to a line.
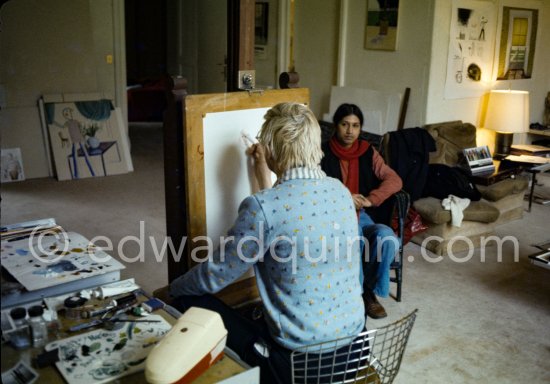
point(503, 145)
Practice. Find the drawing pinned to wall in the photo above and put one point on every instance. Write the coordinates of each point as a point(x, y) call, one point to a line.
point(381, 26)
point(12, 165)
point(518, 36)
point(87, 139)
point(471, 42)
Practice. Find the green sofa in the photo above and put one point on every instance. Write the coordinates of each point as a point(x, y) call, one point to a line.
point(501, 202)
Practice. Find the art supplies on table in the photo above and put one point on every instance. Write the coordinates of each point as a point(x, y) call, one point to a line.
point(17, 231)
point(45, 266)
point(114, 289)
point(22, 373)
point(152, 304)
point(104, 355)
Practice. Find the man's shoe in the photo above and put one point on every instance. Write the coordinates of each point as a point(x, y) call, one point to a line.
point(373, 308)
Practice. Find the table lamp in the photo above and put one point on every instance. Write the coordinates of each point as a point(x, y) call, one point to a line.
point(507, 113)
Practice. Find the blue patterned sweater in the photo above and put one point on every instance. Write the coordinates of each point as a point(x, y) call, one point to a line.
point(301, 238)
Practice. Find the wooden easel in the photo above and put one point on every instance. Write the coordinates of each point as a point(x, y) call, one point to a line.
point(193, 222)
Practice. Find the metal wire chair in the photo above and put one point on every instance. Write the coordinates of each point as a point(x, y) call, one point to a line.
point(389, 347)
point(371, 357)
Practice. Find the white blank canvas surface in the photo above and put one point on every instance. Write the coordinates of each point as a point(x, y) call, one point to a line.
point(380, 109)
point(229, 176)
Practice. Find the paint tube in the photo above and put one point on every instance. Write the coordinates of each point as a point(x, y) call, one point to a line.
point(114, 289)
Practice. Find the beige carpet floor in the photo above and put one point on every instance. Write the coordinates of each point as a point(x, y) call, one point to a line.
point(478, 321)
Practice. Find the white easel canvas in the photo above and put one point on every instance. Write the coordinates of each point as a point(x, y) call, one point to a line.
point(217, 174)
point(234, 178)
point(380, 109)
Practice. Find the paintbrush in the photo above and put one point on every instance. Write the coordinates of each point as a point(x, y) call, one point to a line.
point(247, 139)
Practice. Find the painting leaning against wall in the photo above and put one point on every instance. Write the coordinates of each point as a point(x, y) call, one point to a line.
point(87, 139)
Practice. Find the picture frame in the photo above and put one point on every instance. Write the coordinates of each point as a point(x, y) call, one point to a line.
point(518, 36)
point(381, 25)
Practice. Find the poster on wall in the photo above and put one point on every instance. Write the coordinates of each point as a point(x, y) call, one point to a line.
point(471, 45)
point(518, 36)
point(381, 26)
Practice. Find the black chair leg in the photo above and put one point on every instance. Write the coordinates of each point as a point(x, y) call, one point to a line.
point(399, 278)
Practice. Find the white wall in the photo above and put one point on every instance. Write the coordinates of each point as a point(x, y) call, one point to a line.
point(393, 71)
point(470, 109)
point(316, 49)
point(53, 46)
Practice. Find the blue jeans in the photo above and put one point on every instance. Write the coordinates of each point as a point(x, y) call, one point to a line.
point(383, 246)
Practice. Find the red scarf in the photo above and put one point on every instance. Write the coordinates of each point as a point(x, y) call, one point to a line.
point(351, 156)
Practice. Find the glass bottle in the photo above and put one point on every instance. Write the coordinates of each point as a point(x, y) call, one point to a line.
point(19, 338)
point(37, 325)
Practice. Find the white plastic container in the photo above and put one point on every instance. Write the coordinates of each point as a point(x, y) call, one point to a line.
point(195, 343)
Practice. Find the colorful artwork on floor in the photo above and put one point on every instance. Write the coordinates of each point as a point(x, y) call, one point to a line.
point(87, 139)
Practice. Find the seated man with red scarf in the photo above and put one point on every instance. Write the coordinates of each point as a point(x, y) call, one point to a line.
point(362, 169)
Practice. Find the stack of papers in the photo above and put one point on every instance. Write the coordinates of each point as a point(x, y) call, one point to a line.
point(528, 159)
point(42, 260)
point(530, 149)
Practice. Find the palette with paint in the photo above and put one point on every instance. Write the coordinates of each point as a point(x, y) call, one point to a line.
point(104, 355)
point(45, 261)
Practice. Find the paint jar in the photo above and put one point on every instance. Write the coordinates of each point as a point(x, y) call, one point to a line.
point(37, 325)
point(73, 307)
point(19, 338)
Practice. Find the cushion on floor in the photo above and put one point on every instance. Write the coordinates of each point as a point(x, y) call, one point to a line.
point(503, 188)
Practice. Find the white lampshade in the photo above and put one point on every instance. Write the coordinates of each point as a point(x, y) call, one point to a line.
point(508, 111)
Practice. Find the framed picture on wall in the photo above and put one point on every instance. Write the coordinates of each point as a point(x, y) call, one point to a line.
point(518, 37)
point(381, 26)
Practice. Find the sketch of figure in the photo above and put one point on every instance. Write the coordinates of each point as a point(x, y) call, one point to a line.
point(482, 23)
point(77, 138)
point(12, 167)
